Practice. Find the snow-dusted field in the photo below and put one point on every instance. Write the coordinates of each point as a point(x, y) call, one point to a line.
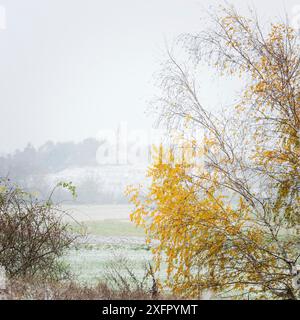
point(110, 236)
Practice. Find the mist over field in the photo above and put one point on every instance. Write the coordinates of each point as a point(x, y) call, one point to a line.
point(92, 166)
point(71, 71)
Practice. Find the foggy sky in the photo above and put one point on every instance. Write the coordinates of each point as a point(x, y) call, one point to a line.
point(69, 68)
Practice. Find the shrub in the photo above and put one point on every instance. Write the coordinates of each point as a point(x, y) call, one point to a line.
point(33, 235)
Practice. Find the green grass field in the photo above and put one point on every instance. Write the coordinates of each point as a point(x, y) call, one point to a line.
point(90, 263)
point(109, 228)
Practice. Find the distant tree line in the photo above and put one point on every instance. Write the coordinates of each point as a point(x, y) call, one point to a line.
point(30, 167)
point(49, 158)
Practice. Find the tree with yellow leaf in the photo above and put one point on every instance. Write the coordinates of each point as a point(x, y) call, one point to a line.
point(230, 223)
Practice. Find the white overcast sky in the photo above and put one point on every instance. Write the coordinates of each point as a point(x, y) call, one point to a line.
point(69, 68)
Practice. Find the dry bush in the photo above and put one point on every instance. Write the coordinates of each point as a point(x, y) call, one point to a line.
point(32, 234)
point(68, 290)
point(121, 276)
point(29, 289)
point(120, 283)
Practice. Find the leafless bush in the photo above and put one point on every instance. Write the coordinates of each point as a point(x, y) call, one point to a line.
point(68, 290)
point(32, 234)
point(31, 289)
point(120, 275)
